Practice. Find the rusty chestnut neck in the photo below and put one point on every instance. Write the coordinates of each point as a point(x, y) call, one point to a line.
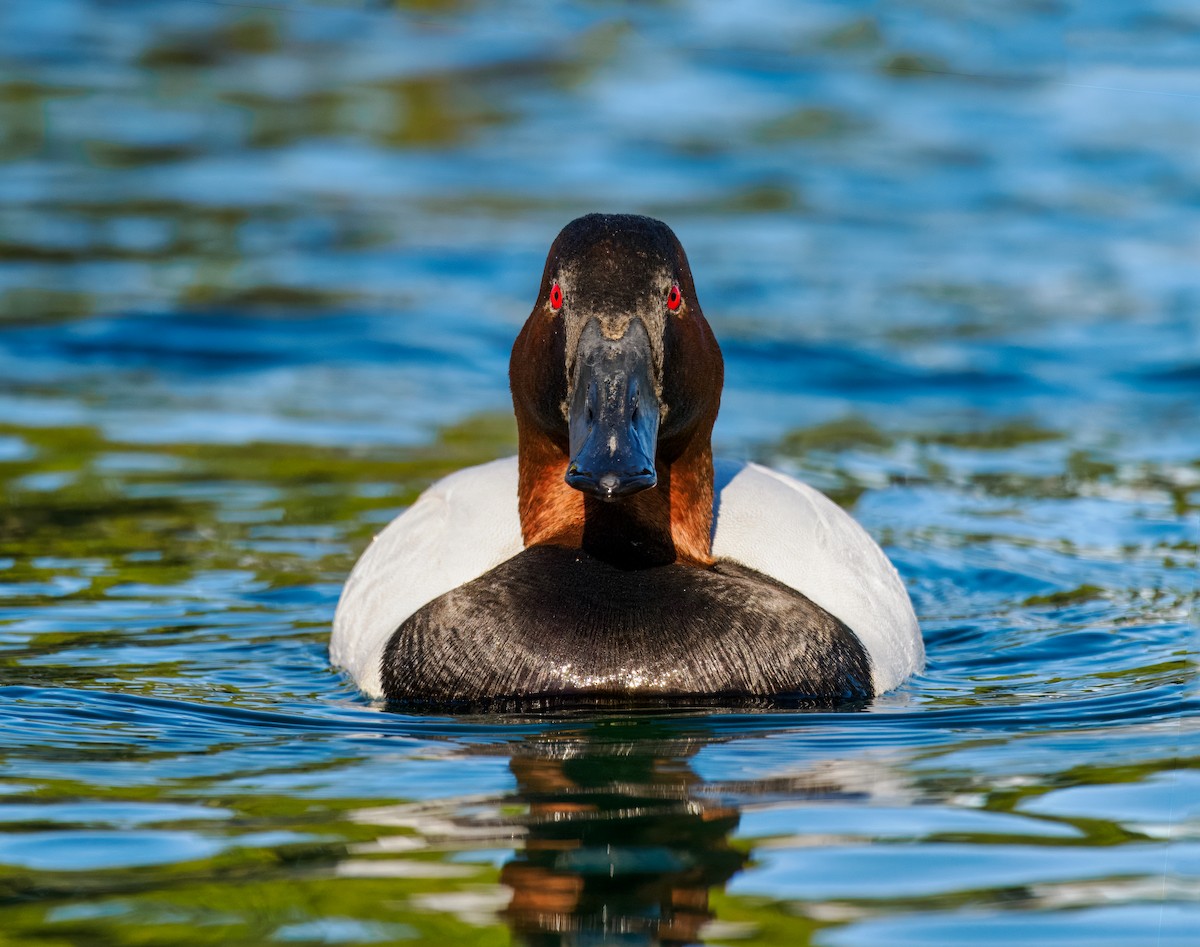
point(614, 269)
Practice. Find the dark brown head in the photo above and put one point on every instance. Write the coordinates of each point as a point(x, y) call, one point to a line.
point(616, 381)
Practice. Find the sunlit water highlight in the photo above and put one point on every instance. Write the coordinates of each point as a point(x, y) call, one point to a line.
point(260, 270)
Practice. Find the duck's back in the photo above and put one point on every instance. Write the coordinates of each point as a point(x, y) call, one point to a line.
point(467, 524)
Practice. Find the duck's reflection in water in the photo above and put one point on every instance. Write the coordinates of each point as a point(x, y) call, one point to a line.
point(614, 837)
point(619, 844)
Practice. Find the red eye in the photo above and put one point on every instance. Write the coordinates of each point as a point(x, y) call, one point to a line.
point(556, 297)
point(674, 298)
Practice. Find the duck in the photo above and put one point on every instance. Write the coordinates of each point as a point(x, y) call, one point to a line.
point(614, 559)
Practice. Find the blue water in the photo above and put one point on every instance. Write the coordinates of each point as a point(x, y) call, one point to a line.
point(260, 269)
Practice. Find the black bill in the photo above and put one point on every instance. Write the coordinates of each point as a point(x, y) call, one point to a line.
point(613, 415)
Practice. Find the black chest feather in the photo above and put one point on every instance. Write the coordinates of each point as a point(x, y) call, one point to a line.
point(556, 623)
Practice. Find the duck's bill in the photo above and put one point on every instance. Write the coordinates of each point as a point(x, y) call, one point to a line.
point(613, 414)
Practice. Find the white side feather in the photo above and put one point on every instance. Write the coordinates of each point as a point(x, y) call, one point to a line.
point(467, 523)
point(797, 535)
point(462, 526)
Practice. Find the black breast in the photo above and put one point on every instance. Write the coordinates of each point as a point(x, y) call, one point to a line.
point(557, 624)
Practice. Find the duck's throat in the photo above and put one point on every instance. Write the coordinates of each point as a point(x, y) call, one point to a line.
point(670, 522)
point(633, 533)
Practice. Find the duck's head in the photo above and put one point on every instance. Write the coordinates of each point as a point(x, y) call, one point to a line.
point(616, 381)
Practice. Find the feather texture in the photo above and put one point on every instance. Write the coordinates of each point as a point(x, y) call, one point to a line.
point(467, 524)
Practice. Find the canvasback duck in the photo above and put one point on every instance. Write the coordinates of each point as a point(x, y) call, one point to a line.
point(612, 559)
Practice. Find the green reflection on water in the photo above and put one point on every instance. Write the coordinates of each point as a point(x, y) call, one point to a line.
point(177, 511)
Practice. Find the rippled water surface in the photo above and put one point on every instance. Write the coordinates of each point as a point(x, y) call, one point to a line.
point(260, 268)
